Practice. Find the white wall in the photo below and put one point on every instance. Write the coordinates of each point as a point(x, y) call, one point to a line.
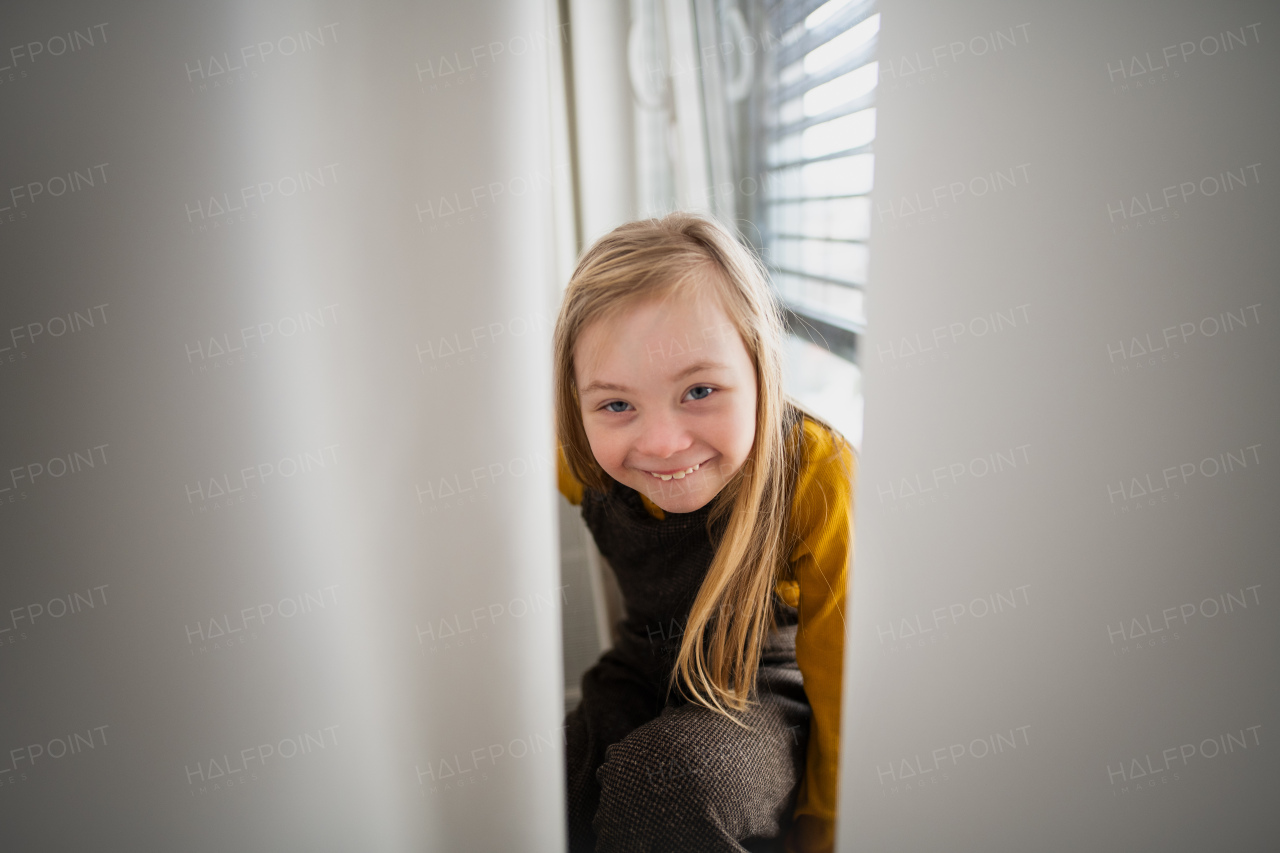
point(1067, 535)
point(389, 326)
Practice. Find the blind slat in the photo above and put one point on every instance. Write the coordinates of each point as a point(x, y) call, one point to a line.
point(857, 59)
point(839, 23)
point(848, 107)
point(800, 199)
point(834, 155)
point(786, 15)
point(778, 235)
point(826, 279)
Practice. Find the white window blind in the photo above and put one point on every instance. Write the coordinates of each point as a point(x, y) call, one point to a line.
point(816, 124)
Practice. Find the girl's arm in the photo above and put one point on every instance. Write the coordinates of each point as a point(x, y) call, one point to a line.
point(822, 513)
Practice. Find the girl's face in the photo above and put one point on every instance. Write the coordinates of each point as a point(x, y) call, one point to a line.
point(665, 388)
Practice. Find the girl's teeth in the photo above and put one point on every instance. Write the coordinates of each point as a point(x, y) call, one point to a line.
point(679, 475)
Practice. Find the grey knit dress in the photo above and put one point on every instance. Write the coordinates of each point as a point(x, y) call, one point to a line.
point(652, 772)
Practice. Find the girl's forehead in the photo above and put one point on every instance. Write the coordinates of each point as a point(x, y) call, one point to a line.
point(682, 327)
point(695, 319)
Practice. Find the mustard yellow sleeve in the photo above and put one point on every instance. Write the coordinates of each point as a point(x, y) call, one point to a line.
point(565, 481)
point(822, 519)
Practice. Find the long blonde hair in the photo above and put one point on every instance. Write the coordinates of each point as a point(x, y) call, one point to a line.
point(732, 612)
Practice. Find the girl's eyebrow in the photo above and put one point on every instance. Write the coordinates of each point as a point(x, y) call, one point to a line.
point(693, 368)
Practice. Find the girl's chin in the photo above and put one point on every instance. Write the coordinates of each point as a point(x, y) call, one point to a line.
point(683, 504)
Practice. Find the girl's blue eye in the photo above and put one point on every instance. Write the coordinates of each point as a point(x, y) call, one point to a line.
point(608, 407)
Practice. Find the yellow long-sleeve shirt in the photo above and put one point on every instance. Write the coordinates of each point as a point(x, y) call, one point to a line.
point(821, 525)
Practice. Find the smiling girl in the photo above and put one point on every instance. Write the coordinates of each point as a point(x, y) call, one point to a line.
point(726, 514)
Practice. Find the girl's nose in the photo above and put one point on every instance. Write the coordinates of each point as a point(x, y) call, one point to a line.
point(662, 436)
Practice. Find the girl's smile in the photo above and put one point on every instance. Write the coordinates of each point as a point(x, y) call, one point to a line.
point(678, 473)
point(668, 397)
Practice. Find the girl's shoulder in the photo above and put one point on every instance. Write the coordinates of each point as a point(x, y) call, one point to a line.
point(820, 520)
point(825, 472)
point(821, 455)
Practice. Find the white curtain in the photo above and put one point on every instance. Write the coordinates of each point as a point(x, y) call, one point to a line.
point(277, 521)
point(1060, 633)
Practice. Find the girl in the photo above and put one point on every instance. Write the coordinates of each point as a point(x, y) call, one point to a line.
point(726, 513)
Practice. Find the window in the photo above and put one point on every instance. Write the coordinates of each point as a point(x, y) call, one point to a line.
point(814, 121)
